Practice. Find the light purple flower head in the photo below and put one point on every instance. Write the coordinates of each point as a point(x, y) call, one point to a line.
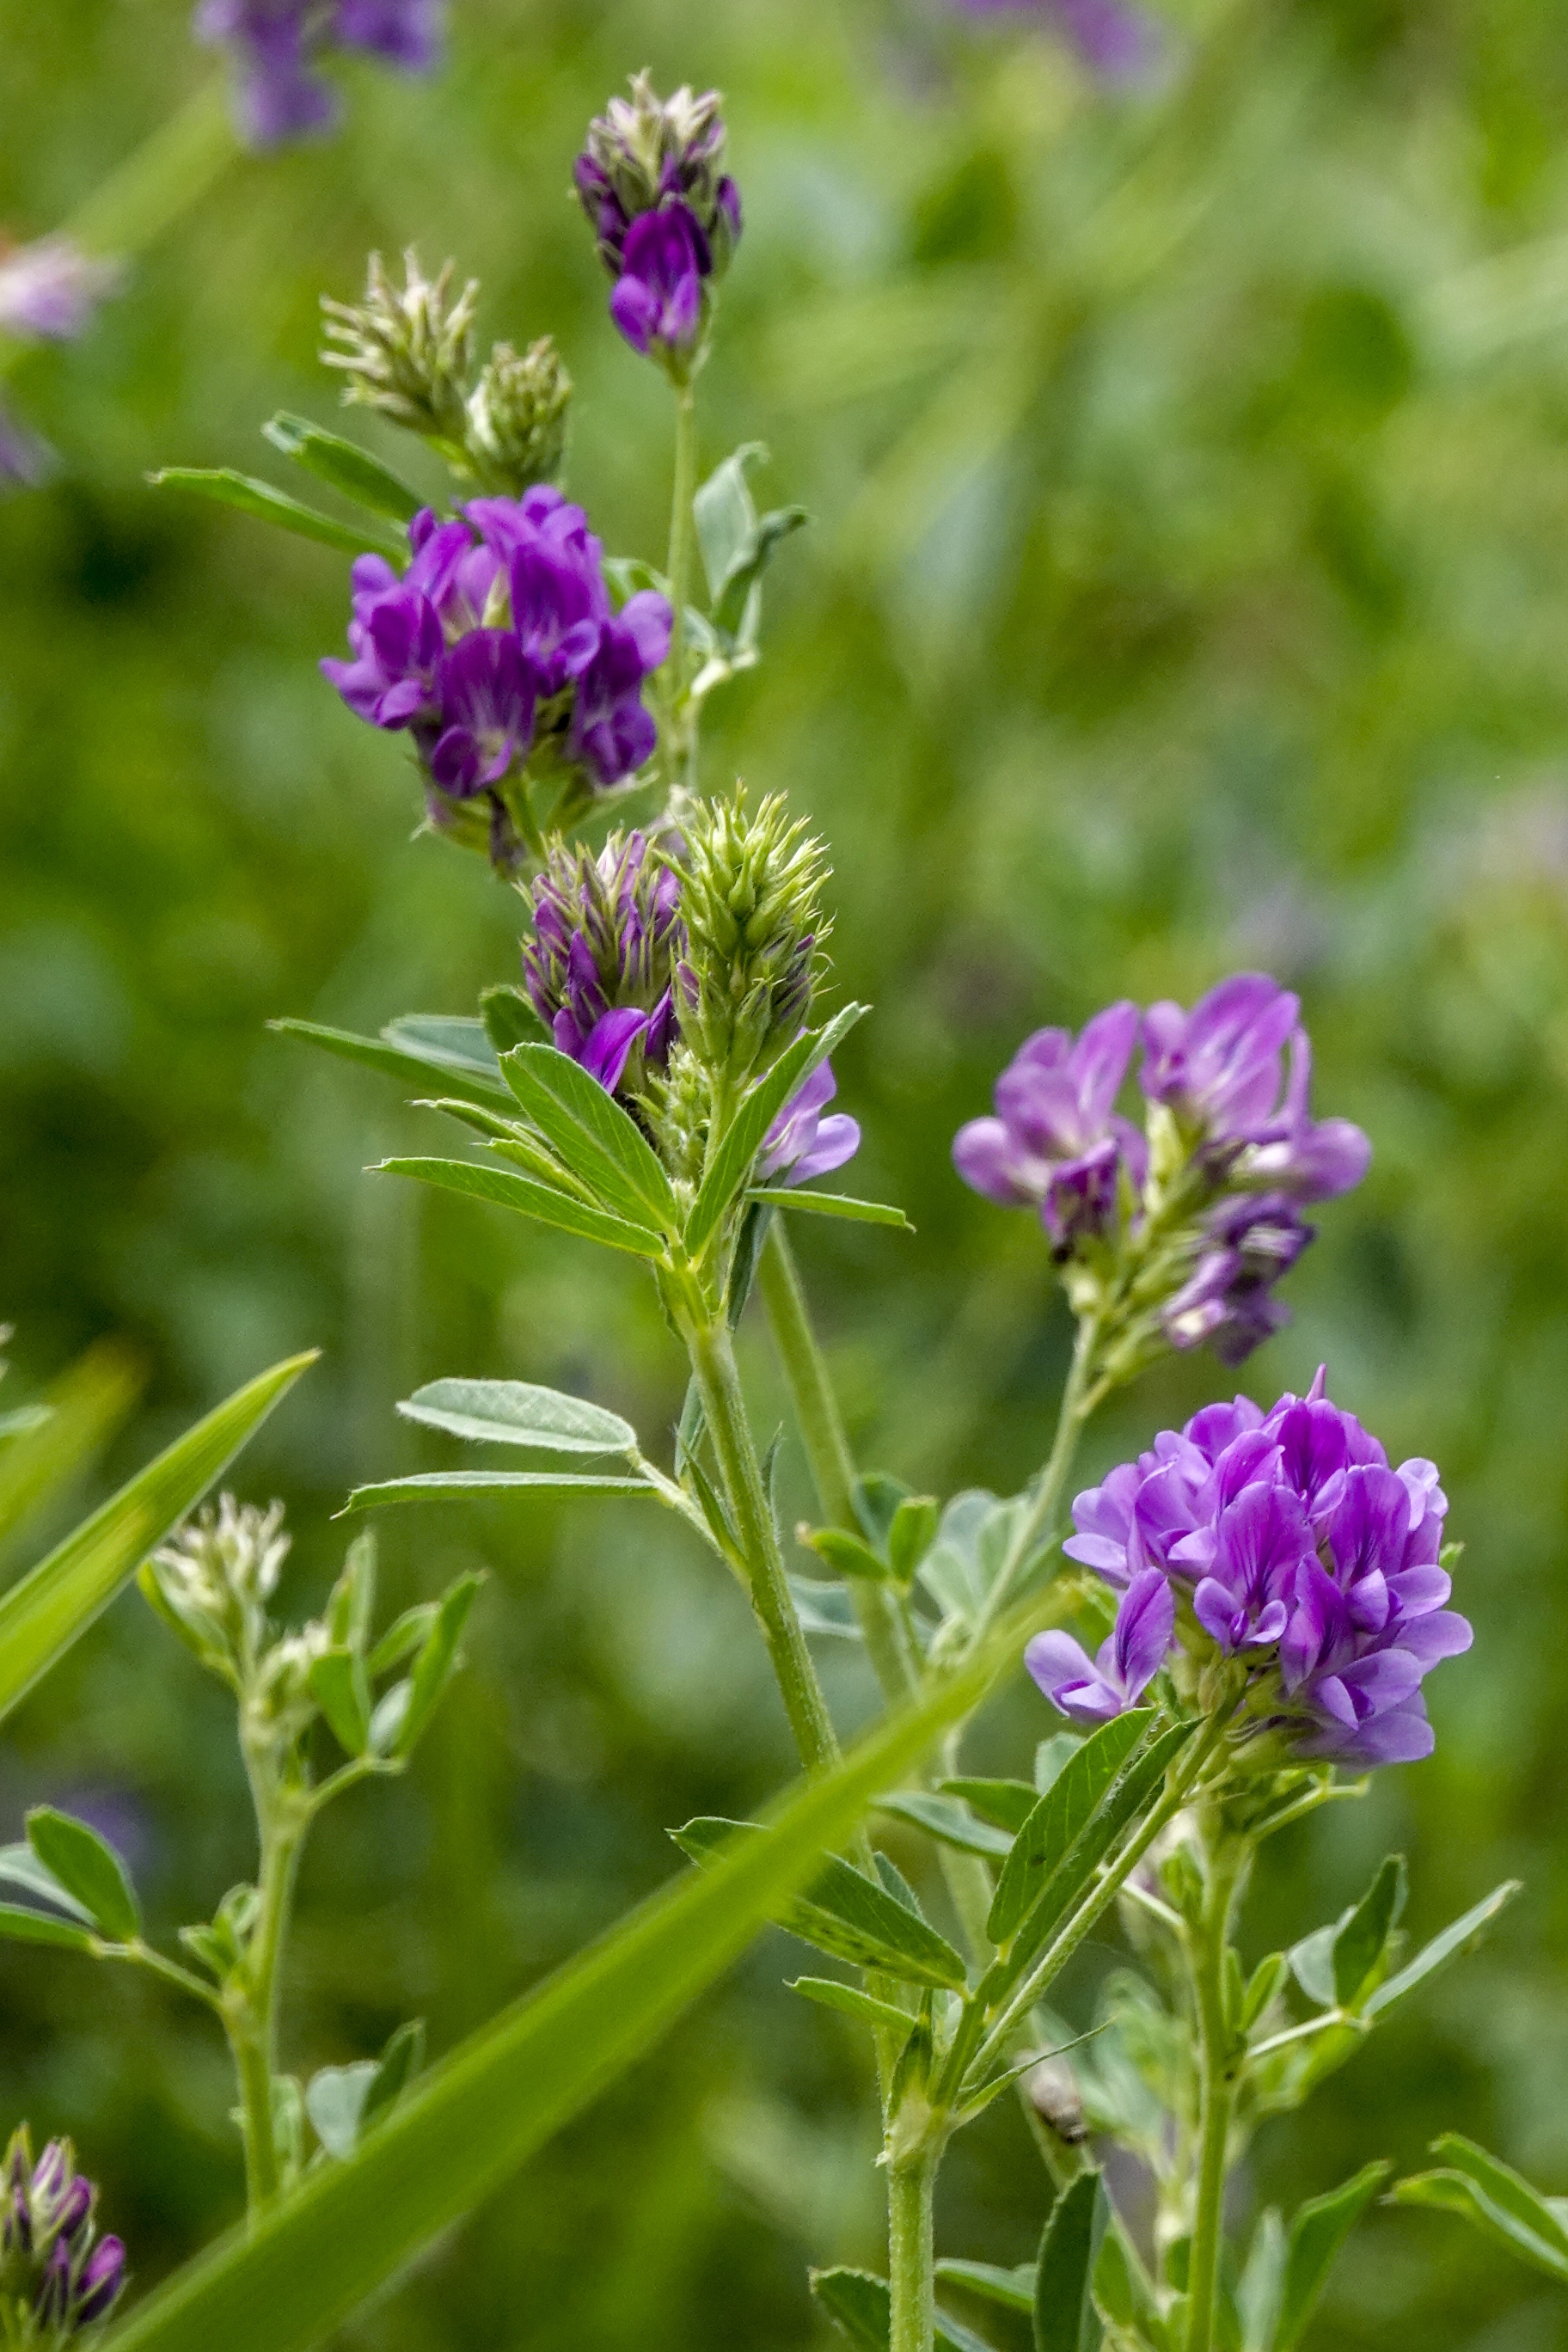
point(665, 217)
point(50, 289)
point(1221, 1069)
point(1128, 1661)
point(1057, 1144)
point(1118, 43)
point(1289, 1543)
point(278, 46)
point(499, 645)
point(1228, 1298)
point(600, 964)
point(801, 1143)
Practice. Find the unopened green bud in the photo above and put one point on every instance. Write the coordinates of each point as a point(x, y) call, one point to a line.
point(517, 416)
point(404, 353)
point(751, 896)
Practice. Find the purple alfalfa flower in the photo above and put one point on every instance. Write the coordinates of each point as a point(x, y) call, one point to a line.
point(599, 965)
point(1118, 43)
point(1227, 1300)
point(1091, 1692)
point(658, 300)
point(1056, 1143)
point(612, 734)
point(49, 289)
point(1220, 1068)
point(487, 701)
point(405, 32)
point(69, 2276)
point(801, 1143)
point(278, 45)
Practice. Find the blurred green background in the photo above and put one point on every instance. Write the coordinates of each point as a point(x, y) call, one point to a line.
point(1188, 590)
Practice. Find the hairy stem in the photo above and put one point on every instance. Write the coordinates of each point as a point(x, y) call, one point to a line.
point(718, 1381)
point(911, 2253)
point(1217, 2066)
point(250, 2004)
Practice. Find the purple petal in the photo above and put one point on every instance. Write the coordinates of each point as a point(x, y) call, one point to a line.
point(1141, 1635)
point(608, 1046)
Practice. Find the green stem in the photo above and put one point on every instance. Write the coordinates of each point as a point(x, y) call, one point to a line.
point(724, 1406)
point(680, 743)
point(1217, 2071)
point(889, 1645)
point(250, 2012)
point(1078, 1403)
point(911, 2253)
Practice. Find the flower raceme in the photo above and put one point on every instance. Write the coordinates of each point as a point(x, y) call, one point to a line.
point(498, 646)
point(278, 46)
point(56, 2275)
point(1230, 1158)
point(1288, 1545)
point(665, 217)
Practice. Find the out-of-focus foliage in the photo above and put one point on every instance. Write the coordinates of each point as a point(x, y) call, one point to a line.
point(1189, 588)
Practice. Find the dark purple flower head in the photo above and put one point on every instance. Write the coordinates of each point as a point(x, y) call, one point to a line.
point(600, 964)
point(667, 218)
point(1221, 1069)
point(1228, 1298)
point(1128, 1661)
point(1291, 1545)
point(1055, 1143)
point(499, 647)
point(801, 1143)
point(658, 300)
point(278, 45)
point(50, 289)
point(65, 2276)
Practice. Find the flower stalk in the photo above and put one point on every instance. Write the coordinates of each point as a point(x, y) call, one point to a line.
point(911, 2251)
point(680, 731)
point(1219, 2053)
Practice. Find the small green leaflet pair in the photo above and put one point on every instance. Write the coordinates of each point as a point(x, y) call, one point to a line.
point(1495, 2200)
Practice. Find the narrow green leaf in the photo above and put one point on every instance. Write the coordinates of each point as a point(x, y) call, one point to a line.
point(843, 1913)
point(830, 1994)
point(1135, 1786)
point(345, 466)
point(1312, 1964)
point(597, 1139)
point(1265, 1982)
point(831, 1204)
point(402, 1638)
point(1262, 2285)
point(725, 516)
point(43, 1614)
point(750, 1236)
point(515, 1413)
point(861, 2304)
point(528, 1198)
point(473, 2119)
point(1014, 2289)
point(846, 1553)
point(34, 1928)
point(1457, 2192)
point(508, 1018)
point(447, 1041)
point(471, 1485)
point(1007, 1803)
point(399, 2062)
point(88, 1867)
point(1318, 2232)
point(20, 1867)
point(824, 1608)
point(1064, 2312)
point(1360, 1943)
point(1061, 1816)
point(340, 1689)
point(259, 499)
point(1124, 2296)
point(78, 1412)
point(731, 1164)
point(911, 1534)
point(731, 614)
point(393, 1061)
point(1460, 1936)
point(439, 1660)
point(1506, 2187)
point(351, 1605)
point(942, 1818)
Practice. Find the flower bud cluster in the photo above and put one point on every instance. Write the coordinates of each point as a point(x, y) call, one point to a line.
point(667, 217)
point(278, 46)
point(409, 357)
point(1283, 1566)
point(56, 2275)
point(1192, 1223)
point(750, 898)
point(212, 1582)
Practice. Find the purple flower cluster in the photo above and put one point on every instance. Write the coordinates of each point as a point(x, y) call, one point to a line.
point(1116, 42)
point(279, 43)
point(49, 289)
point(49, 2250)
point(667, 218)
point(1283, 1541)
point(500, 643)
point(1232, 1078)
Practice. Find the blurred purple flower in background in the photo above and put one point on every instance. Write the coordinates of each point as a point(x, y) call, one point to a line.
point(278, 46)
point(665, 217)
point(49, 289)
point(1055, 1143)
point(1117, 41)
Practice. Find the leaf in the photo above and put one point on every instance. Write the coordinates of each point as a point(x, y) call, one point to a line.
point(1318, 2232)
point(1263, 1986)
point(79, 1411)
point(450, 1042)
point(402, 1638)
point(1061, 1816)
point(351, 1603)
point(259, 499)
point(469, 1486)
point(340, 1689)
point(1123, 2295)
point(528, 1198)
point(861, 2305)
point(1261, 2284)
point(750, 1234)
point(825, 1609)
point(911, 1534)
point(736, 545)
point(1008, 1803)
point(1459, 1937)
point(394, 1060)
point(1313, 1965)
point(1014, 2289)
point(830, 1994)
point(1459, 2192)
point(42, 1615)
point(398, 2064)
point(843, 1913)
point(972, 1540)
point(1135, 1786)
point(831, 1204)
point(344, 466)
point(515, 1413)
point(474, 2118)
point(1064, 2311)
point(335, 2101)
point(437, 1661)
point(1360, 1941)
point(88, 1867)
point(20, 1867)
point(508, 1018)
point(846, 1552)
point(731, 1164)
point(597, 1139)
point(35, 1927)
point(954, 1824)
